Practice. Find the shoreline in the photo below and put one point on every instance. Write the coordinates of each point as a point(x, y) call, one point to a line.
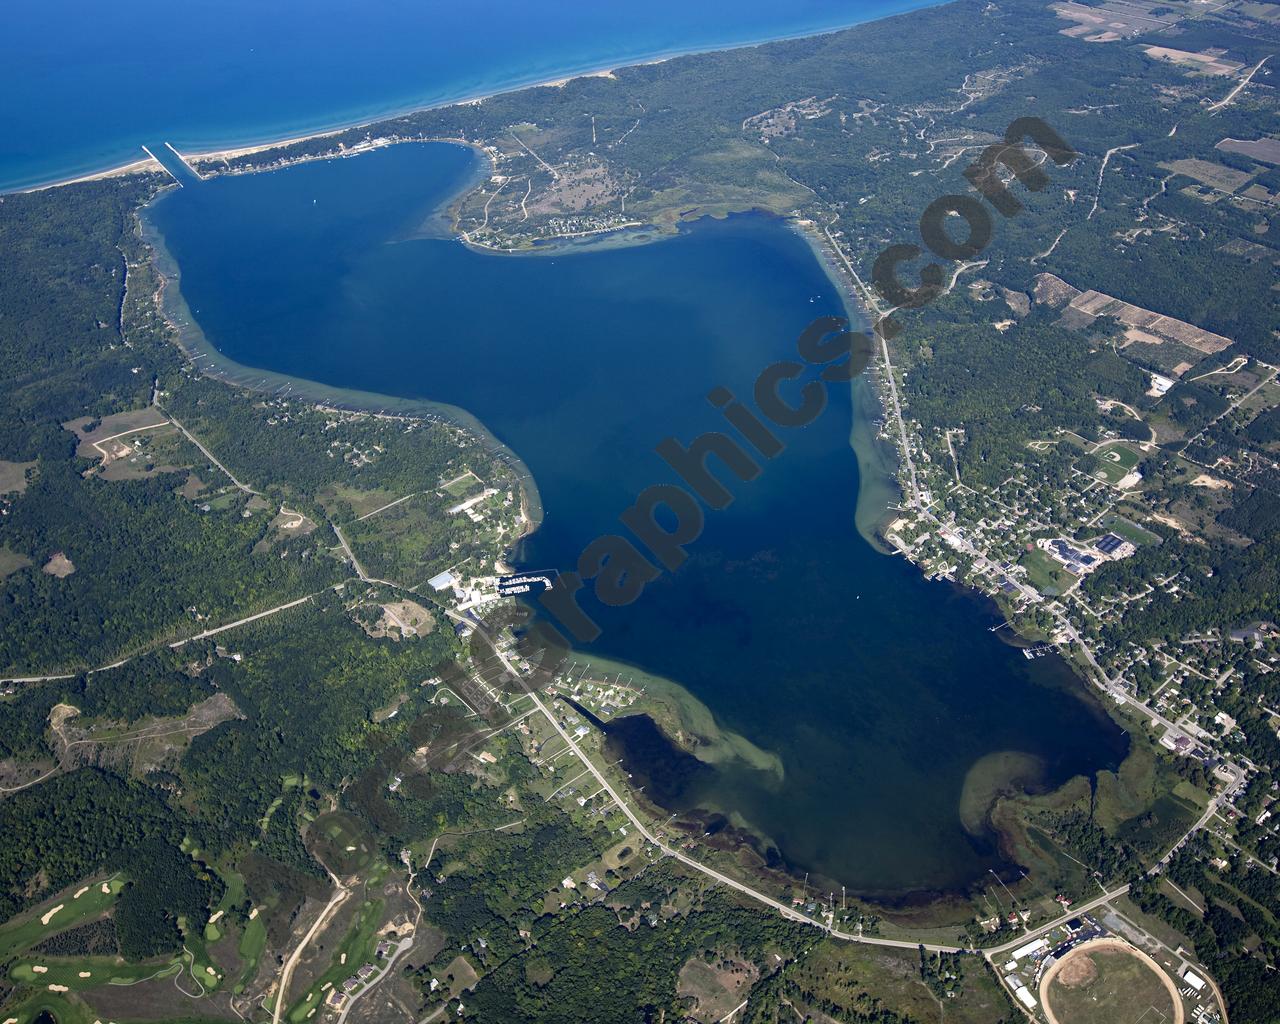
point(877, 477)
point(230, 150)
point(878, 487)
point(146, 165)
point(203, 356)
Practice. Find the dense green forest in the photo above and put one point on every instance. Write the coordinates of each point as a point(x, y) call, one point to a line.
point(588, 966)
point(149, 565)
point(337, 723)
point(61, 350)
point(305, 453)
point(77, 825)
point(155, 685)
point(308, 685)
point(1238, 935)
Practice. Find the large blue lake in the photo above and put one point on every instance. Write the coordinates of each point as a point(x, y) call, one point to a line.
point(83, 84)
point(878, 691)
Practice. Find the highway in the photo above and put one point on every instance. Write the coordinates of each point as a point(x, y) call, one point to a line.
point(869, 298)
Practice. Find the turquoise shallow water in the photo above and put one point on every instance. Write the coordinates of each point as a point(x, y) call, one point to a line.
point(83, 84)
point(878, 690)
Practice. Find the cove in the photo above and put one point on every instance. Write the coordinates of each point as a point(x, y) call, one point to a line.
point(877, 690)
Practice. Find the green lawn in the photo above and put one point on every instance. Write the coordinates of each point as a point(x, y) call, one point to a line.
point(1119, 455)
point(1112, 463)
point(342, 843)
point(463, 486)
point(358, 949)
point(197, 958)
point(97, 970)
point(1130, 531)
point(1045, 573)
point(63, 1009)
point(252, 943)
point(64, 910)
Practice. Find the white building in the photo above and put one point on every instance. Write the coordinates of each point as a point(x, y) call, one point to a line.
point(1029, 949)
point(442, 582)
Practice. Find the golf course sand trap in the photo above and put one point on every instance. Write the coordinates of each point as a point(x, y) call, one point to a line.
point(49, 916)
point(1107, 981)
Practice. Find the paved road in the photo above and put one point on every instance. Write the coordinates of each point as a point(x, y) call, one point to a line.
point(402, 947)
point(869, 297)
point(1245, 81)
point(240, 622)
point(685, 859)
point(1083, 908)
point(209, 455)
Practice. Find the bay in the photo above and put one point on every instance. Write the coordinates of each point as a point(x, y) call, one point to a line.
point(877, 691)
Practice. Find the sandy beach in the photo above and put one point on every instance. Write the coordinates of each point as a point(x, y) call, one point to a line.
point(230, 152)
point(149, 164)
point(136, 167)
point(556, 83)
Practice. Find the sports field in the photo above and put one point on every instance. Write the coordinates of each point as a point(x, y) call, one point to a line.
point(1109, 982)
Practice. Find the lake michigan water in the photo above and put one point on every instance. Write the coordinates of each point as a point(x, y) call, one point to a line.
point(83, 84)
point(878, 690)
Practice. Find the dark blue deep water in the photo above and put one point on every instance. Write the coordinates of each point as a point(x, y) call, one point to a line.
point(878, 690)
point(84, 83)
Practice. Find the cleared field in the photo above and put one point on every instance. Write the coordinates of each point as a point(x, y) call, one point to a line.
point(1130, 531)
point(13, 476)
point(1217, 176)
point(1266, 150)
point(1109, 982)
point(348, 502)
point(841, 981)
point(715, 988)
point(462, 486)
point(11, 562)
point(1045, 574)
point(341, 843)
